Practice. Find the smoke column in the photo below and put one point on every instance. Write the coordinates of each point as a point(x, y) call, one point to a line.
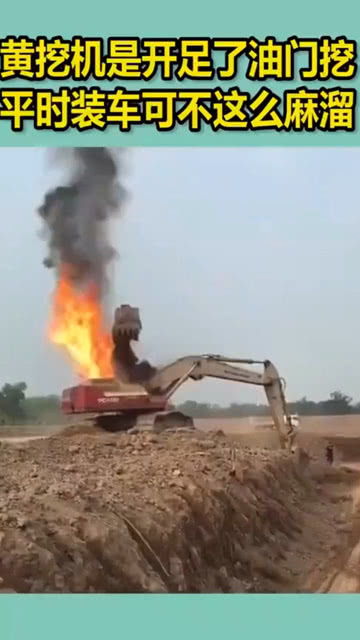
point(76, 216)
point(76, 220)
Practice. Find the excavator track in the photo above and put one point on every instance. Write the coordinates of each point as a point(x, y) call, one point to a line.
point(135, 423)
point(114, 423)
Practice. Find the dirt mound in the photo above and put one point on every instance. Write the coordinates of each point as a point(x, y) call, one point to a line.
point(152, 513)
point(83, 429)
point(346, 448)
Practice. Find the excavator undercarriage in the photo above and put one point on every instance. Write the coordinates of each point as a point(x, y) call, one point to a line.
point(134, 422)
point(138, 397)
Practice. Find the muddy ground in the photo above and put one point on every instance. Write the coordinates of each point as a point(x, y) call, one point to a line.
point(204, 512)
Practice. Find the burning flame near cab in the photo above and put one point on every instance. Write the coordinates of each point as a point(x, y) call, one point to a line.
point(77, 324)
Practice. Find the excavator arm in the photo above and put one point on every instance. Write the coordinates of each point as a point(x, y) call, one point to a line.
point(168, 379)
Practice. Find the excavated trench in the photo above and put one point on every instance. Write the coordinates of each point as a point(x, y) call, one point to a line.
point(191, 512)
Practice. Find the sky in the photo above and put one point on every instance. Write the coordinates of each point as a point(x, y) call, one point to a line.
point(249, 252)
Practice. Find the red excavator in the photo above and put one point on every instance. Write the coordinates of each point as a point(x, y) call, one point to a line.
point(138, 396)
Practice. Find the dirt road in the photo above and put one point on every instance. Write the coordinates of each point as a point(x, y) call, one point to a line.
point(344, 570)
point(346, 577)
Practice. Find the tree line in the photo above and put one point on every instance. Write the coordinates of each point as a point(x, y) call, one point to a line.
point(338, 403)
point(17, 408)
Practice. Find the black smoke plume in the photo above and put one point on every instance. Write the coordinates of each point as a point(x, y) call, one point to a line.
point(76, 215)
point(76, 218)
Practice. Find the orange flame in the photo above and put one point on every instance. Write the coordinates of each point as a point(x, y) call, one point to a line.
point(77, 324)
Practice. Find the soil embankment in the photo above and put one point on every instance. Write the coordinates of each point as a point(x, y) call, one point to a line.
point(166, 513)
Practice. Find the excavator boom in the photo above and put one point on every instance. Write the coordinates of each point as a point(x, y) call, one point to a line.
point(168, 379)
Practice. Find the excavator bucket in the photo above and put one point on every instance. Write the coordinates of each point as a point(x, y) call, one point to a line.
point(127, 323)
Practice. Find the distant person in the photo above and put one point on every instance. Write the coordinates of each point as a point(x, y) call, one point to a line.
point(293, 430)
point(329, 454)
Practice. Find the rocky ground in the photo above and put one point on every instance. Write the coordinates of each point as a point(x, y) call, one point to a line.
point(88, 512)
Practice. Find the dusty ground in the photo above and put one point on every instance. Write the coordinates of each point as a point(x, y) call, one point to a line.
point(178, 513)
point(318, 426)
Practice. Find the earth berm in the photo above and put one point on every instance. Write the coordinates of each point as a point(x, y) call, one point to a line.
point(177, 512)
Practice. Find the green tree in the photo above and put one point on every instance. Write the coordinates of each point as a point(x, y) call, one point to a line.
point(12, 398)
point(338, 404)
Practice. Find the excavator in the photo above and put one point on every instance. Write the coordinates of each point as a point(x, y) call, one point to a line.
point(138, 396)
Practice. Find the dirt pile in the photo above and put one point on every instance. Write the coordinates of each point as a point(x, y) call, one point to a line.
point(153, 513)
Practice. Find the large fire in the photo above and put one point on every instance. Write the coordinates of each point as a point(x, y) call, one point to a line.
point(77, 324)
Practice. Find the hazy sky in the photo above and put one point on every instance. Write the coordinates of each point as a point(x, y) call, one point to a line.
point(244, 252)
